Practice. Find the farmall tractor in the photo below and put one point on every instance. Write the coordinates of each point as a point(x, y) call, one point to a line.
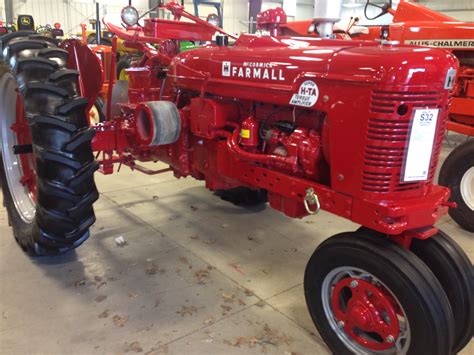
point(415, 24)
point(354, 128)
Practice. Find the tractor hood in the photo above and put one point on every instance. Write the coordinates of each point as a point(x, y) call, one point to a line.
point(271, 70)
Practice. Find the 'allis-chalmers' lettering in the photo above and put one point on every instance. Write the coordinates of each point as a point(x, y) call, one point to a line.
point(252, 70)
point(442, 43)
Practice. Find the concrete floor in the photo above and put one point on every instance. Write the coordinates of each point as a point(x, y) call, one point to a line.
point(197, 276)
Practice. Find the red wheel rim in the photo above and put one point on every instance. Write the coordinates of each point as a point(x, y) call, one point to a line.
point(23, 137)
point(367, 313)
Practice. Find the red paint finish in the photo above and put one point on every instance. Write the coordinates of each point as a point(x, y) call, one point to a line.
point(271, 20)
point(208, 115)
point(291, 114)
point(415, 24)
point(250, 132)
point(23, 136)
point(155, 30)
point(159, 28)
point(411, 11)
point(91, 77)
point(370, 309)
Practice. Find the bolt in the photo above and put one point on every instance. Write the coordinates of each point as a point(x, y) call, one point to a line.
point(390, 339)
point(325, 98)
point(340, 177)
point(354, 284)
point(341, 324)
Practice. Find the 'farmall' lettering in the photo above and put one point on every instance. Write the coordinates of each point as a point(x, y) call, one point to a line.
point(442, 43)
point(252, 70)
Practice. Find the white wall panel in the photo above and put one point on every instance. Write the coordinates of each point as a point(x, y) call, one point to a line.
point(462, 10)
point(70, 13)
point(235, 13)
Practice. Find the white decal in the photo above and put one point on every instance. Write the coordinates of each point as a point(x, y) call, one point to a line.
point(307, 95)
point(226, 69)
point(450, 79)
point(420, 146)
point(252, 70)
point(442, 43)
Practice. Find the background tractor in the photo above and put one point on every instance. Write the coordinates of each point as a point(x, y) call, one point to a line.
point(310, 123)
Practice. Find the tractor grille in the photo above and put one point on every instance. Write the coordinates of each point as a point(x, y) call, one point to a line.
point(387, 138)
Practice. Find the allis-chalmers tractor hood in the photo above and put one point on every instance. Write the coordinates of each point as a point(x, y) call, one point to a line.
point(275, 68)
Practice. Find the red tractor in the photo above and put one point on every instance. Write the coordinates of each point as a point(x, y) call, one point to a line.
point(354, 128)
point(415, 24)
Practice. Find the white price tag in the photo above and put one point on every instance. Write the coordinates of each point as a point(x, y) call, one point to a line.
point(420, 146)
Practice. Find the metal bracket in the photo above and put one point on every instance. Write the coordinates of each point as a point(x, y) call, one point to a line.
point(311, 199)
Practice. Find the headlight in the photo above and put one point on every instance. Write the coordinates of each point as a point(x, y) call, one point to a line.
point(130, 16)
point(214, 20)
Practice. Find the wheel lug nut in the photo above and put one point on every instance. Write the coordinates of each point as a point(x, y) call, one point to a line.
point(341, 324)
point(354, 284)
point(390, 339)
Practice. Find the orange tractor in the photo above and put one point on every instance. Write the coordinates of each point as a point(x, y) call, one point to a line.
point(415, 24)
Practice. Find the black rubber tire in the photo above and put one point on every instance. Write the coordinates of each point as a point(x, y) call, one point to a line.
point(61, 142)
point(455, 166)
point(454, 271)
point(244, 197)
point(419, 292)
point(123, 63)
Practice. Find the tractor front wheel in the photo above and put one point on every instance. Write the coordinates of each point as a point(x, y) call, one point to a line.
point(453, 269)
point(46, 165)
point(367, 295)
point(457, 173)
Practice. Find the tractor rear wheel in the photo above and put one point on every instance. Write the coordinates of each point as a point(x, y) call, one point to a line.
point(457, 173)
point(368, 295)
point(453, 269)
point(47, 165)
point(96, 114)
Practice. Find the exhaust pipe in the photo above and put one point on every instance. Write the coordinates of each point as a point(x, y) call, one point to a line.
point(326, 14)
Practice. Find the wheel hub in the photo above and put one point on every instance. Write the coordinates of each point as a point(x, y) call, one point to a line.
point(364, 314)
point(360, 315)
point(367, 311)
point(467, 188)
